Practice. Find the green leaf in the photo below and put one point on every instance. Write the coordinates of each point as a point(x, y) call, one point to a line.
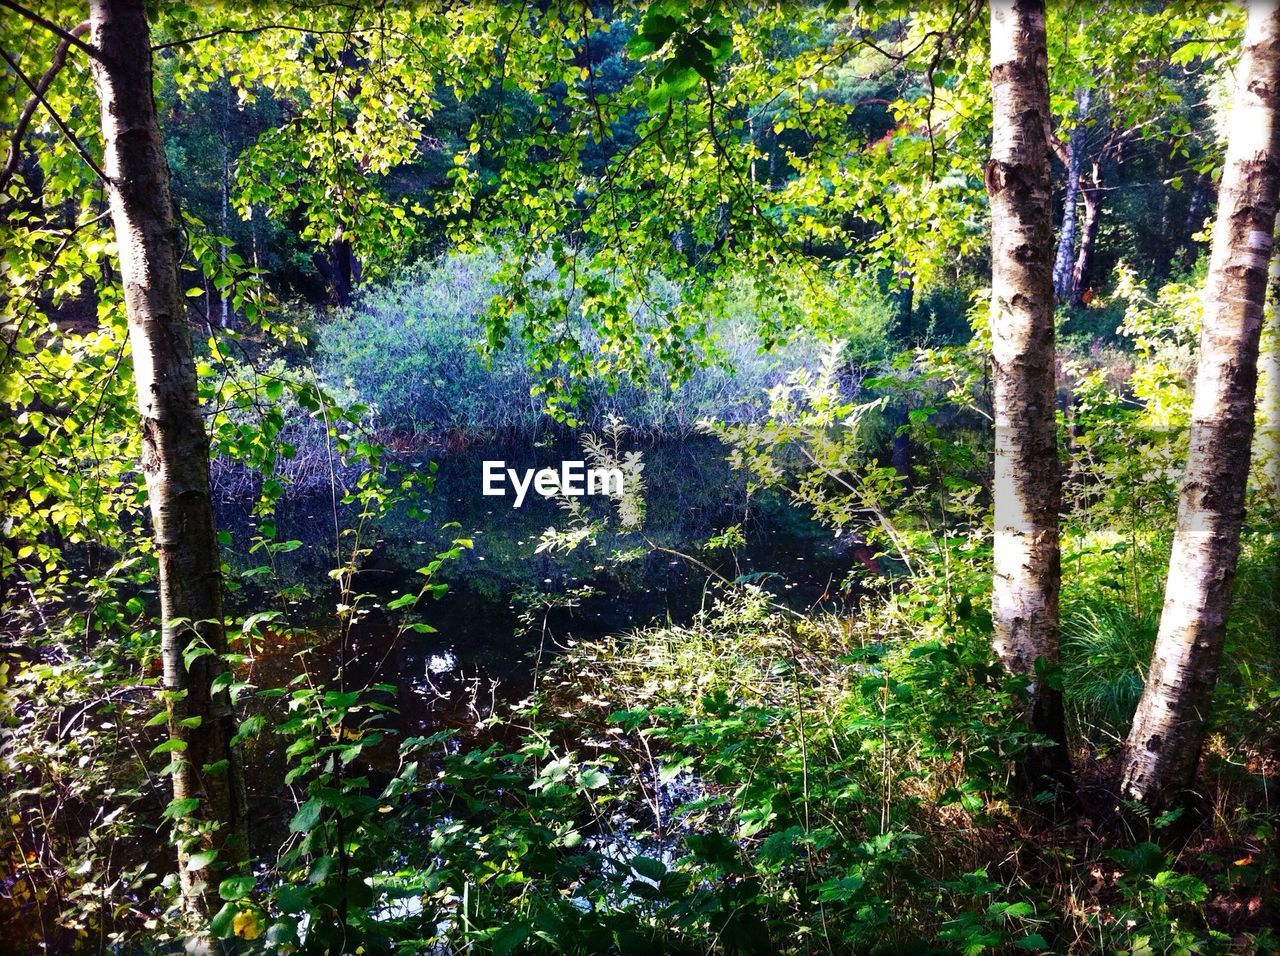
point(337, 700)
point(648, 867)
point(249, 727)
point(508, 937)
point(193, 653)
point(840, 890)
point(236, 887)
point(675, 885)
point(307, 817)
point(222, 923)
point(293, 899)
point(198, 861)
point(181, 808)
point(322, 869)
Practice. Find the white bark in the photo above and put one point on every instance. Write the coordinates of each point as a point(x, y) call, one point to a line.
point(1063, 273)
point(1169, 727)
point(1027, 483)
point(175, 455)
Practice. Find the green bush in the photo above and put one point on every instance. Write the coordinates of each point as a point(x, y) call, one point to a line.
point(411, 349)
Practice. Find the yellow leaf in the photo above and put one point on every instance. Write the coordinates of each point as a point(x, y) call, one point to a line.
point(585, 72)
point(246, 924)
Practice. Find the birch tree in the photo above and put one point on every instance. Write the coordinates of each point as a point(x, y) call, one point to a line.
point(1115, 57)
point(1027, 483)
point(1063, 271)
point(1169, 727)
point(208, 784)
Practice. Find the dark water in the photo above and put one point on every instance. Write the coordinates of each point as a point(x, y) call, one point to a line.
point(503, 612)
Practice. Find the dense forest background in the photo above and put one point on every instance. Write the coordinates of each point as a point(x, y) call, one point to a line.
point(940, 610)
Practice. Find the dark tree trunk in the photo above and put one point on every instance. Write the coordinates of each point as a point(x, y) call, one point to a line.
point(340, 269)
point(175, 455)
point(1027, 484)
point(1091, 197)
point(1196, 207)
point(1162, 254)
point(224, 197)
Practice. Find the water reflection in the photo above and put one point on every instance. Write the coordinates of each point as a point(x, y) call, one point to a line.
point(505, 609)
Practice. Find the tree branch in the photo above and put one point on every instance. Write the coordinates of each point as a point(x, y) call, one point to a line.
point(1056, 145)
point(68, 36)
point(33, 102)
point(243, 31)
point(66, 130)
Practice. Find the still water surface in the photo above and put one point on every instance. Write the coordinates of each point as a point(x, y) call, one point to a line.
point(493, 625)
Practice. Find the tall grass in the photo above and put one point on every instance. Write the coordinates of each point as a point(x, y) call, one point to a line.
point(1108, 636)
point(1106, 648)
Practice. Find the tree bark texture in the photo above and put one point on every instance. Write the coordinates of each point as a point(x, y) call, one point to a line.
point(1027, 482)
point(1169, 727)
point(175, 455)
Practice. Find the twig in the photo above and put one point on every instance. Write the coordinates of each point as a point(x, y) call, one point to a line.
point(68, 36)
point(66, 131)
point(20, 128)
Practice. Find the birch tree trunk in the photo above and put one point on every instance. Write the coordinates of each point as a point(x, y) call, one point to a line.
point(1169, 727)
point(175, 455)
point(1027, 483)
point(1062, 263)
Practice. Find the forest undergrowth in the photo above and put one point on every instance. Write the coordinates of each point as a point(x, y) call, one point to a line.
point(773, 777)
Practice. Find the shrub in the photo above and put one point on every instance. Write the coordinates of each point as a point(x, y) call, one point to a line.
point(411, 349)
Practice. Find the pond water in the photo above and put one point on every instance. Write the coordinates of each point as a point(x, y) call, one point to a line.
point(504, 611)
